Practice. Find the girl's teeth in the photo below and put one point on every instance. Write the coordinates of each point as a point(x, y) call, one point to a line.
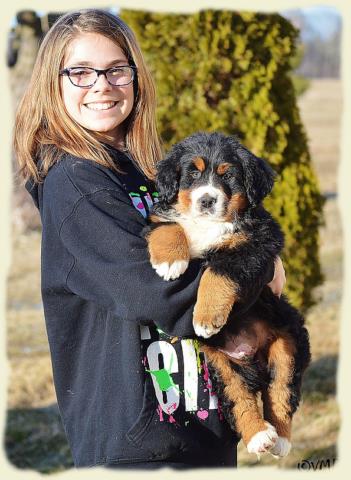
point(100, 106)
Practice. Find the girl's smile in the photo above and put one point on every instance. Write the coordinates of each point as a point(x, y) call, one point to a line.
point(98, 106)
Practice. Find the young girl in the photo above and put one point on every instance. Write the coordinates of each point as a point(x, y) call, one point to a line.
point(131, 388)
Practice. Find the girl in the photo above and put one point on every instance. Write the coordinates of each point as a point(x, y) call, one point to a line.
point(131, 389)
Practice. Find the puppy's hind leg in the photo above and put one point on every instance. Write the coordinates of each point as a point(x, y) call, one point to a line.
point(278, 398)
point(258, 435)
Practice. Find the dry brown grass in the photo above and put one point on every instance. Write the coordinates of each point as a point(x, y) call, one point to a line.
point(28, 352)
point(321, 108)
point(23, 284)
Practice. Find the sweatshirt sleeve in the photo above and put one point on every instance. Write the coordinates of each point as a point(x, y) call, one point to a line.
point(111, 265)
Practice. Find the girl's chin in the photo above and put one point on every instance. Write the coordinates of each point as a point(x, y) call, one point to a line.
point(98, 128)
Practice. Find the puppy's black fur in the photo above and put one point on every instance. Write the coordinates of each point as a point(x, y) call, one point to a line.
point(241, 181)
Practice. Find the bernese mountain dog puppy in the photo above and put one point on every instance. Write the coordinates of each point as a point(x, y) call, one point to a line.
point(211, 190)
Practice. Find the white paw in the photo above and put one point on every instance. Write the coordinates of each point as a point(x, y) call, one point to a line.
point(281, 448)
point(205, 332)
point(263, 441)
point(171, 271)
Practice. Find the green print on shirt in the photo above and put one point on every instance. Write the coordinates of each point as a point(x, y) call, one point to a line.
point(197, 350)
point(163, 378)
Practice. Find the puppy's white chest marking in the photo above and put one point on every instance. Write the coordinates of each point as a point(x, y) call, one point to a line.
point(203, 234)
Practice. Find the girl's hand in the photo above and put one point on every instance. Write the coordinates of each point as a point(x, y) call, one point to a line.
point(279, 280)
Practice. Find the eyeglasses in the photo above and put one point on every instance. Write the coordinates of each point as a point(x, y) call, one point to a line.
point(86, 77)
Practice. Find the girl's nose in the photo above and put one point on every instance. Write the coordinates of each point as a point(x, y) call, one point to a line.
point(102, 84)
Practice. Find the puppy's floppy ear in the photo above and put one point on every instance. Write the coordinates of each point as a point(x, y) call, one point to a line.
point(168, 174)
point(258, 176)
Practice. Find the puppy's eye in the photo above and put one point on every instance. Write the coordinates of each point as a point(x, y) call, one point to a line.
point(195, 174)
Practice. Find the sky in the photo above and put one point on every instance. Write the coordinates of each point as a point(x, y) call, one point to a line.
point(323, 20)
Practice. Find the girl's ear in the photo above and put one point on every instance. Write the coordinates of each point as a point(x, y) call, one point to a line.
point(258, 176)
point(168, 174)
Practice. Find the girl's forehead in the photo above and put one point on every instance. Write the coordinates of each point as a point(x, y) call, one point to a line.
point(95, 49)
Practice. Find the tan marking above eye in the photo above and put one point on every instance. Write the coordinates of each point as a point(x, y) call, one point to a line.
point(223, 167)
point(199, 163)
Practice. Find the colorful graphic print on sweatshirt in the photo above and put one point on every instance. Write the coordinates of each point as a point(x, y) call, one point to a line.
point(180, 377)
point(143, 200)
point(178, 369)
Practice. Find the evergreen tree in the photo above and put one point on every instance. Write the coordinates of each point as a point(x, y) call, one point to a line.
point(230, 72)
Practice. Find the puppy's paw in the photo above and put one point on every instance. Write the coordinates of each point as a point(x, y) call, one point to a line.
point(281, 448)
point(171, 271)
point(205, 332)
point(206, 325)
point(263, 441)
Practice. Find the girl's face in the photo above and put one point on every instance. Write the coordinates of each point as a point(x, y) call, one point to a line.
point(102, 107)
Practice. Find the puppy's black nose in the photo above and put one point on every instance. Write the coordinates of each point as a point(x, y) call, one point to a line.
point(206, 201)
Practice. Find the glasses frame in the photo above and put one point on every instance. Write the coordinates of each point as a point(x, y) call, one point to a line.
point(67, 71)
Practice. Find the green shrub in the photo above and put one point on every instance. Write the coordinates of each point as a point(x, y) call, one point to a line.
point(300, 83)
point(230, 72)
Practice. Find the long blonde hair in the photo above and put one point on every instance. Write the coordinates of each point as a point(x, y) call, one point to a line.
point(43, 128)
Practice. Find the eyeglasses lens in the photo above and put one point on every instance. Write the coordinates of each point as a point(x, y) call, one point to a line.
point(120, 76)
point(84, 77)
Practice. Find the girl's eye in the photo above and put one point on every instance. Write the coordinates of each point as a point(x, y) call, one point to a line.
point(195, 174)
point(114, 71)
point(79, 72)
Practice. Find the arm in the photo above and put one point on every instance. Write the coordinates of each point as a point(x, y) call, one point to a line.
point(279, 279)
point(111, 265)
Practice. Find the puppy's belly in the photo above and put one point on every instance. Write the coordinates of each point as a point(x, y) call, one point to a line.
point(203, 234)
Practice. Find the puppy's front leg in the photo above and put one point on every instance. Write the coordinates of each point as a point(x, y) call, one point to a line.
point(215, 299)
point(169, 250)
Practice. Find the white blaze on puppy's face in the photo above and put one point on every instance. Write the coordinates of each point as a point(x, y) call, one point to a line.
point(202, 212)
point(208, 201)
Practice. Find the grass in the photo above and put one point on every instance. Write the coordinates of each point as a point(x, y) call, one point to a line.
point(35, 439)
point(34, 435)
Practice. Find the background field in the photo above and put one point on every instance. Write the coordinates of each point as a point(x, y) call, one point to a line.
point(34, 436)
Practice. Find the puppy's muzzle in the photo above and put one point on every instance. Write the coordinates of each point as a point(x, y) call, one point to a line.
point(207, 202)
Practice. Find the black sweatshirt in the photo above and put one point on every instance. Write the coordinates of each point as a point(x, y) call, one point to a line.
point(130, 387)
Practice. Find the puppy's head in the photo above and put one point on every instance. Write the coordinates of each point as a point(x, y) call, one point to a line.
point(212, 175)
